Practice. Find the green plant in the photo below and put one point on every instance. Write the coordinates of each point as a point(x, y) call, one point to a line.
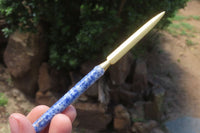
point(190, 42)
point(3, 100)
point(186, 26)
point(82, 30)
point(181, 18)
point(178, 18)
point(181, 28)
point(196, 17)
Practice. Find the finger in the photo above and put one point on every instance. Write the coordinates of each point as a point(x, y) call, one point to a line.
point(60, 124)
point(37, 112)
point(70, 112)
point(20, 124)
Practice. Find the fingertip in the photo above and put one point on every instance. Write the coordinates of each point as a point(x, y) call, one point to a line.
point(37, 112)
point(60, 124)
point(20, 124)
point(39, 108)
point(70, 112)
point(14, 125)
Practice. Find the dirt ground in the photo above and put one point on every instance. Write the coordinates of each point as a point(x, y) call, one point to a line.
point(17, 102)
point(174, 64)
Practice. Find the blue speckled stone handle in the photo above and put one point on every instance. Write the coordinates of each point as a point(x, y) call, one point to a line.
point(68, 98)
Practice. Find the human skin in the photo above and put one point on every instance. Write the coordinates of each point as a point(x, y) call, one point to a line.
point(61, 123)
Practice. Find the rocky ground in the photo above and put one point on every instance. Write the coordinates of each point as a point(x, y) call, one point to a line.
point(17, 102)
point(174, 64)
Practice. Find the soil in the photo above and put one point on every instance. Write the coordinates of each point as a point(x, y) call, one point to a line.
point(17, 102)
point(172, 63)
point(176, 66)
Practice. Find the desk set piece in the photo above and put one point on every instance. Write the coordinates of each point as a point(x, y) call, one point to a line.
point(95, 74)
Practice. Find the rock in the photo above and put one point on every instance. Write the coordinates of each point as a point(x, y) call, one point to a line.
point(21, 51)
point(120, 124)
point(158, 96)
point(153, 108)
point(90, 107)
point(114, 94)
point(92, 116)
point(120, 71)
point(75, 77)
point(23, 56)
point(145, 127)
point(151, 111)
point(44, 80)
point(103, 92)
point(139, 127)
point(83, 98)
point(126, 86)
point(156, 130)
point(140, 83)
point(60, 80)
point(137, 112)
point(83, 130)
point(88, 66)
point(133, 129)
point(128, 97)
point(121, 112)
point(19, 96)
point(150, 124)
point(15, 93)
point(100, 91)
point(122, 93)
point(121, 118)
point(92, 91)
point(46, 98)
point(27, 83)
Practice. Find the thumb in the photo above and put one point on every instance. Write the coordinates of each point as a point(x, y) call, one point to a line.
point(20, 124)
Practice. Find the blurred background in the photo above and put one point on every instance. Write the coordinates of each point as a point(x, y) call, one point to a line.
point(47, 46)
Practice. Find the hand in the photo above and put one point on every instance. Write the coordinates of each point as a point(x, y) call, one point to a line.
point(61, 123)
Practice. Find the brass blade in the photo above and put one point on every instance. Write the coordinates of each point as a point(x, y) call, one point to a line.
point(131, 41)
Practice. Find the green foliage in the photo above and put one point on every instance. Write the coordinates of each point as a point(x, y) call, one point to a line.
point(196, 17)
point(187, 26)
point(83, 29)
point(3, 100)
point(180, 18)
point(180, 25)
point(181, 28)
point(190, 42)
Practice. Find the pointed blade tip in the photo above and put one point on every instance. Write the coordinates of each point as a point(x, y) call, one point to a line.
point(162, 13)
point(117, 53)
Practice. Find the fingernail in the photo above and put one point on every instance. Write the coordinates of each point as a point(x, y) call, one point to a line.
point(14, 127)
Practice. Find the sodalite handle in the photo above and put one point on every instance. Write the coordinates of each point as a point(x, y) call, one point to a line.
point(68, 98)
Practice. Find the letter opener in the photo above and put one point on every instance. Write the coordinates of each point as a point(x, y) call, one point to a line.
point(95, 74)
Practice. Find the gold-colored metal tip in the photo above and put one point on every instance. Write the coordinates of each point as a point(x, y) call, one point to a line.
point(162, 13)
point(105, 65)
point(131, 41)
